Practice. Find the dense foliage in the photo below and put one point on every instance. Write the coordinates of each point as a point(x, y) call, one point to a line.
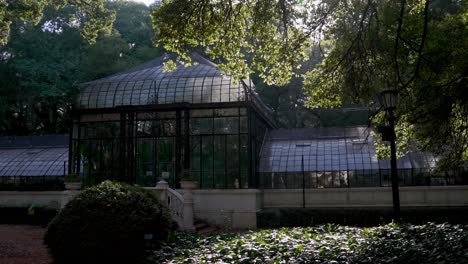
point(416, 47)
point(107, 222)
point(42, 64)
point(429, 243)
point(91, 15)
point(288, 102)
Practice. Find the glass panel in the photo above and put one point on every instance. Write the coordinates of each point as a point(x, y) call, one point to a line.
point(195, 154)
point(201, 126)
point(100, 160)
point(244, 125)
point(100, 130)
point(168, 127)
point(75, 131)
point(243, 111)
point(219, 179)
point(166, 159)
point(226, 125)
point(201, 113)
point(145, 170)
point(232, 180)
point(227, 112)
point(148, 128)
point(207, 161)
point(166, 115)
point(207, 180)
point(195, 157)
point(143, 116)
point(219, 161)
point(233, 152)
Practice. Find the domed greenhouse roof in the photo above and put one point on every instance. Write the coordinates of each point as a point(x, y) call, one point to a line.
point(149, 84)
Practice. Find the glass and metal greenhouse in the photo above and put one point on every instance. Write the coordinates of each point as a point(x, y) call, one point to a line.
point(146, 124)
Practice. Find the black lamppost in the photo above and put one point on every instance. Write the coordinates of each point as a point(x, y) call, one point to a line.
point(390, 97)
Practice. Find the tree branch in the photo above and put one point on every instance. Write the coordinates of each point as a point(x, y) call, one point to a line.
point(421, 47)
point(397, 40)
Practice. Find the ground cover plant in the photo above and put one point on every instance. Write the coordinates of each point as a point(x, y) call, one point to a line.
point(392, 243)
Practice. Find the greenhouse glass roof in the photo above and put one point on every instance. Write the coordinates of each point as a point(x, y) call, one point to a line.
point(33, 156)
point(330, 149)
point(148, 84)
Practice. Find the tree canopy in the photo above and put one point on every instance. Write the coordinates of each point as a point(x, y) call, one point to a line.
point(43, 62)
point(416, 47)
point(91, 15)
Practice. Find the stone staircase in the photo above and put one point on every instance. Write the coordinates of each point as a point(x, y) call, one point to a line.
point(204, 228)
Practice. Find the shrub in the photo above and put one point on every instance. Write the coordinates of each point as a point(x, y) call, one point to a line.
point(107, 224)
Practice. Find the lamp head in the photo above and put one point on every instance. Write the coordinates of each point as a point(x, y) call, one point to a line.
point(389, 99)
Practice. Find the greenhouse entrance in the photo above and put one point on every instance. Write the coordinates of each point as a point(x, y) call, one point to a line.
point(155, 159)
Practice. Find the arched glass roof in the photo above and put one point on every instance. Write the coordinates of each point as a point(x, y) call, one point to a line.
point(33, 156)
point(148, 84)
point(330, 149)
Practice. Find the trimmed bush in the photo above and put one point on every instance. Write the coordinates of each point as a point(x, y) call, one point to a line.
point(108, 223)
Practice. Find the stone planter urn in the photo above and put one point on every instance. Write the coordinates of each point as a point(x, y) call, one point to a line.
point(72, 186)
point(188, 185)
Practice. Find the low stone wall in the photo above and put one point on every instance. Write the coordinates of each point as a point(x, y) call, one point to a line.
point(237, 209)
point(50, 199)
point(366, 197)
point(232, 209)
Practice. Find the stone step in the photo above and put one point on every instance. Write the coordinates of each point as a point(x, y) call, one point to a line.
point(203, 228)
point(200, 225)
point(207, 230)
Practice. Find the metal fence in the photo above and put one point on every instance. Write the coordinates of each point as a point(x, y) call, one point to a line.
point(32, 183)
point(361, 178)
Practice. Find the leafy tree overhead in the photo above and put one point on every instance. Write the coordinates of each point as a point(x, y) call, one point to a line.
point(133, 21)
point(38, 73)
point(288, 102)
point(42, 64)
point(129, 44)
point(108, 55)
point(91, 15)
point(416, 47)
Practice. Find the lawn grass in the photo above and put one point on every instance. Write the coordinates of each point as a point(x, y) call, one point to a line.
point(391, 243)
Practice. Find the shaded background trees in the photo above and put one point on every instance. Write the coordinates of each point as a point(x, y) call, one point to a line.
point(42, 64)
point(288, 102)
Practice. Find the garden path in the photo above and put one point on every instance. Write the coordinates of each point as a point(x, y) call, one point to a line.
point(23, 244)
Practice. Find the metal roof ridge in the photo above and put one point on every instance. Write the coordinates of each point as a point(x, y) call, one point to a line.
point(36, 147)
point(153, 63)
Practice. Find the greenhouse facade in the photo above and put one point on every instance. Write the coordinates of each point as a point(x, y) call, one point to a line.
point(341, 157)
point(146, 124)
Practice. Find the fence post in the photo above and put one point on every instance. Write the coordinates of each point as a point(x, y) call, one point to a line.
point(188, 210)
point(162, 187)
